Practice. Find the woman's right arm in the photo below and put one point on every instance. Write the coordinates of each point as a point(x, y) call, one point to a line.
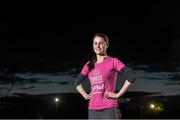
point(78, 85)
point(81, 90)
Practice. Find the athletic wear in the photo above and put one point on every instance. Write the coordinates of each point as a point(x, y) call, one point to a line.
point(79, 80)
point(103, 78)
point(127, 74)
point(108, 113)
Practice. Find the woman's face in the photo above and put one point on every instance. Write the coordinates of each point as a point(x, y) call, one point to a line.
point(99, 45)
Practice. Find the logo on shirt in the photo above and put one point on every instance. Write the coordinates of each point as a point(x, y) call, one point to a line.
point(96, 77)
point(97, 82)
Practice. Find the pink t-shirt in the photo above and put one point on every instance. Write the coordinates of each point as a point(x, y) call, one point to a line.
point(103, 78)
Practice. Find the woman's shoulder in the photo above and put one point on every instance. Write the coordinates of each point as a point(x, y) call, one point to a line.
point(115, 59)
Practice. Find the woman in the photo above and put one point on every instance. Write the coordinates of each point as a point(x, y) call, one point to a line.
point(102, 72)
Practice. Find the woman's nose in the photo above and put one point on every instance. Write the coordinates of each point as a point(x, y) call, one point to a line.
point(98, 45)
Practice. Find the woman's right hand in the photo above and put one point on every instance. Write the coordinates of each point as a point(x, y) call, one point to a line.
point(88, 96)
point(83, 92)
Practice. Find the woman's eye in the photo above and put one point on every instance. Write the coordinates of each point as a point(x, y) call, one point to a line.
point(102, 43)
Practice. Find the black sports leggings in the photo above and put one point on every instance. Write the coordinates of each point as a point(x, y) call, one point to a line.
point(108, 113)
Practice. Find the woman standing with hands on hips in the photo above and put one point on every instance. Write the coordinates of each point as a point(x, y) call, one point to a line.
point(102, 72)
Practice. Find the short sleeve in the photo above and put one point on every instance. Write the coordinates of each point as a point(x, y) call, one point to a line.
point(127, 74)
point(85, 69)
point(118, 65)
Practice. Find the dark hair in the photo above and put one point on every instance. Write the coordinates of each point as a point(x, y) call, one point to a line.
point(94, 58)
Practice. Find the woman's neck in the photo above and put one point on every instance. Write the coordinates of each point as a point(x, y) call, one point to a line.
point(100, 58)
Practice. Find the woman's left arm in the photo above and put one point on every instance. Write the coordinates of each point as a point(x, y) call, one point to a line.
point(129, 76)
point(123, 89)
point(120, 93)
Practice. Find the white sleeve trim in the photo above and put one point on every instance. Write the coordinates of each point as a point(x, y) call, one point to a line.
point(129, 82)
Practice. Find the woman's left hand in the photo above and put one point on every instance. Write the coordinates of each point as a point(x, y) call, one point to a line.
point(108, 94)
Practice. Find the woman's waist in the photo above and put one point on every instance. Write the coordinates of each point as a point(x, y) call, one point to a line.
point(100, 103)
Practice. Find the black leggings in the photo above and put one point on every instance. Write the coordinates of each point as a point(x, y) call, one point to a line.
point(108, 113)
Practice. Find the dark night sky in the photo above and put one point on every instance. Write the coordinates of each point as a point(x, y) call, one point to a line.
point(64, 30)
point(42, 37)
